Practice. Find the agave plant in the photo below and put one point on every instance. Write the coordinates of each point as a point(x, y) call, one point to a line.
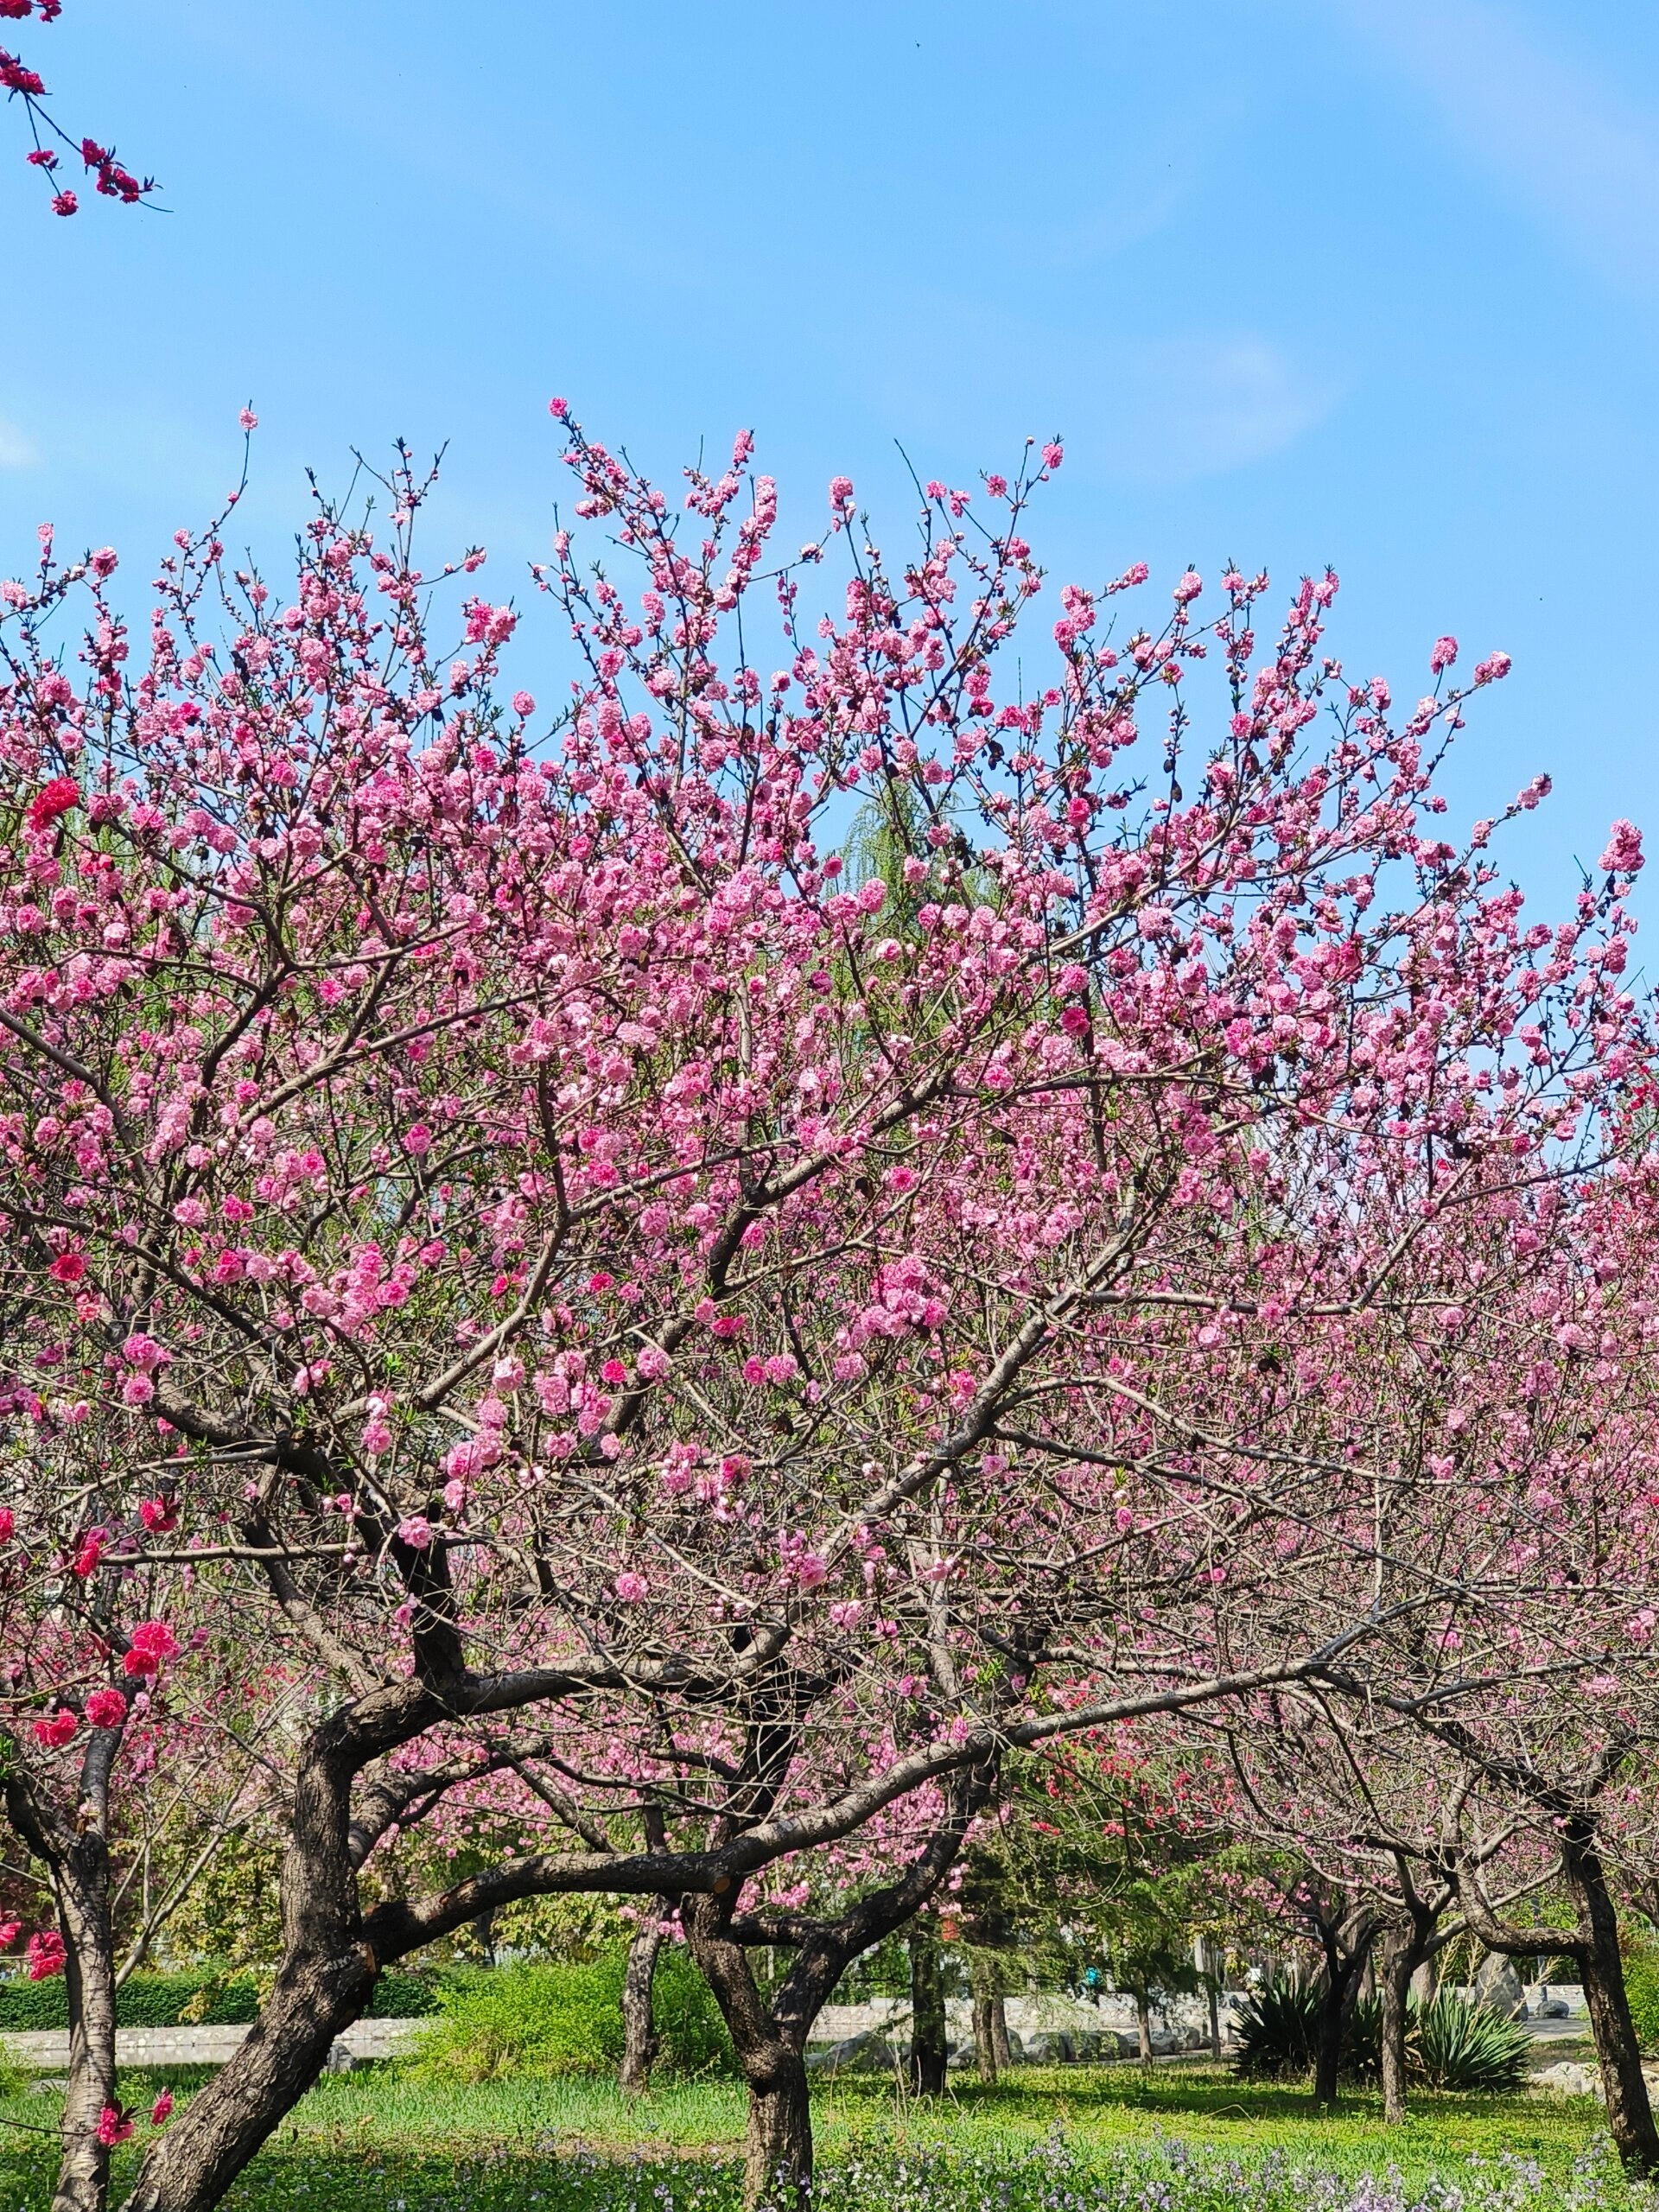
point(1277, 2030)
point(1451, 2045)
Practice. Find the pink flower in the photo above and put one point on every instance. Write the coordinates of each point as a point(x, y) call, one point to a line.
point(45, 1955)
point(811, 1570)
point(524, 704)
point(88, 1552)
point(159, 2110)
point(150, 1643)
point(8, 1930)
point(247, 420)
point(847, 1613)
point(137, 1390)
point(1624, 853)
point(68, 1267)
point(631, 1587)
point(56, 1729)
point(140, 1351)
point(1445, 652)
point(7, 1524)
point(51, 801)
point(558, 408)
point(114, 2126)
point(63, 203)
point(415, 1531)
point(1053, 455)
point(157, 1514)
point(107, 1708)
point(1187, 588)
point(417, 1139)
point(377, 1437)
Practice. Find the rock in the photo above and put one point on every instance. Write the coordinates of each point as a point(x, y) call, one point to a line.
point(870, 2053)
point(1498, 1984)
point(1566, 2078)
point(1045, 2048)
point(1547, 2008)
point(338, 2061)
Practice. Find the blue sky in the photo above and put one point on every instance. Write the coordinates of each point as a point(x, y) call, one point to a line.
point(1372, 281)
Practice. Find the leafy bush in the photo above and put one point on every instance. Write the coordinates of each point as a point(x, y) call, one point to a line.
point(1449, 2045)
point(552, 2019)
point(1277, 2030)
point(214, 1997)
point(1642, 1988)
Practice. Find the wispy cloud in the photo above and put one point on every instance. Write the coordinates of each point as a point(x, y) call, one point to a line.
point(1172, 409)
point(1559, 137)
point(15, 451)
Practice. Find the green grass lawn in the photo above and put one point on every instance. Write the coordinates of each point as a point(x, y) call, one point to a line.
point(1181, 2136)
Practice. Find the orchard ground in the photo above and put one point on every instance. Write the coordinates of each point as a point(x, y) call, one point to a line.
point(1188, 2136)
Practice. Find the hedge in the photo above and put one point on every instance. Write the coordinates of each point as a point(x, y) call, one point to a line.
point(201, 1996)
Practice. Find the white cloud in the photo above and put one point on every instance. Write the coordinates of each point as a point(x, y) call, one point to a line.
point(15, 451)
point(1565, 143)
point(1177, 407)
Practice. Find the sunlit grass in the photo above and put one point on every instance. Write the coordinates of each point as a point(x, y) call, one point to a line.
point(384, 2138)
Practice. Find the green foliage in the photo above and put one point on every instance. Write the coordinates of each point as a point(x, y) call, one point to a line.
point(1277, 2030)
point(551, 2019)
point(204, 1996)
point(1468, 2048)
point(1642, 1988)
point(1451, 2045)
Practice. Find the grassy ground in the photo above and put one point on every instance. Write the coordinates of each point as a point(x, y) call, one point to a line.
point(383, 2139)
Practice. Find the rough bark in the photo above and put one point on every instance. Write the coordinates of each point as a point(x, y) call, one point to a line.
point(1346, 1944)
point(74, 1849)
point(638, 2035)
point(1401, 1956)
point(927, 2031)
point(326, 1977)
point(1594, 1946)
point(999, 2030)
point(82, 1888)
point(1624, 2087)
point(984, 2039)
point(1143, 2025)
point(778, 2136)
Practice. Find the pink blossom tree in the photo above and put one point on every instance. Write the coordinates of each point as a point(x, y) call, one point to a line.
point(636, 1308)
point(21, 82)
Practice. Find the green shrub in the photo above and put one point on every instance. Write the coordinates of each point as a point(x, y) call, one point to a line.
point(1277, 2030)
point(212, 1996)
point(551, 2019)
point(1642, 1988)
point(1451, 2045)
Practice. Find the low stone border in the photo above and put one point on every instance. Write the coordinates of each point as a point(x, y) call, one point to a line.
point(47, 2049)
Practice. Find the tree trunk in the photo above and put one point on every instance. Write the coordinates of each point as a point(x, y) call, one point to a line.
point(1624, 2089)
point(1327, 2056)
point(1401, 1959)
point(1143, 2025)
point(778, 2137)
point(639, 2036)
point(1215, 2022)
point(83, 1895)
point(999, 2030)
point(190, 2168)
point(326, 1978)
point(927, 2040)
point(984, 2037)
